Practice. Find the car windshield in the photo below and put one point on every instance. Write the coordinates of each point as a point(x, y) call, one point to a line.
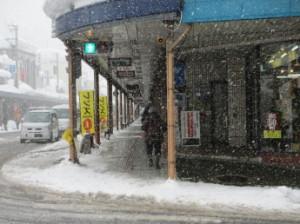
point(62, 113)
point(37, 117)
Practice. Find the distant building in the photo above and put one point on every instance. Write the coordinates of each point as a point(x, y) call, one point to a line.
point(52, 65)
point(26, 58)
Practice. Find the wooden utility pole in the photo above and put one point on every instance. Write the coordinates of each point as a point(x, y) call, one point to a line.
point(72, 54)
point(110, 106)
point(125, 110)
point(132, 110)
point(128, 110)
point(117, 109)
point(97, 117)
point(121, 109)
point(170, 46)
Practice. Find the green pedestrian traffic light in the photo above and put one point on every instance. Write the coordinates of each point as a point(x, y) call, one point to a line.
point(89, 48)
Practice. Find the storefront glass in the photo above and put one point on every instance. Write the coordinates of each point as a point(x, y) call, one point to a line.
point(280, 97)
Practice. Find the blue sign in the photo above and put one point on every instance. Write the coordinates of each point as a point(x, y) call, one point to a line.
point(12, 69)
point(180, 74)
point(223, 10)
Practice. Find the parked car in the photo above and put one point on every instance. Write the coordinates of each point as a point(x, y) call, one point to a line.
point(40, 125)
point(63, 117)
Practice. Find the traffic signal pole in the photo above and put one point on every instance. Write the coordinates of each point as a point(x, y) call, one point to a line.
point(97, 114)
point(170, 46)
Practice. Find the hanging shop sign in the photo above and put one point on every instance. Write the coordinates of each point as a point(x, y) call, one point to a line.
point(139, 99)
point(87, 120)
point(116, 62)
point(125, 71)
point(190, 127)
point(273, 126)
point(180, 75)
point(103, 111)
point(125, 74)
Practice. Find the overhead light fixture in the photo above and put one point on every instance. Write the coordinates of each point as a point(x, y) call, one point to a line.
point(295, 47)
point(289, 76)
point(283, 55)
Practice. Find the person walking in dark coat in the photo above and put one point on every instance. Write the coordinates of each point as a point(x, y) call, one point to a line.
point(154, 128)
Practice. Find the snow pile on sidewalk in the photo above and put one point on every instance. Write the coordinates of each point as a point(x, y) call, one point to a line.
point(93, 176)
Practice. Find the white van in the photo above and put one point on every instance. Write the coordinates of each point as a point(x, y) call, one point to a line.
point(39, 125)
point(62, 112)
point(63, 117)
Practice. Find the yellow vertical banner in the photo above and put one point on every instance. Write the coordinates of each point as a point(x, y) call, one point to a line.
point(103, 111)
point(87, 114)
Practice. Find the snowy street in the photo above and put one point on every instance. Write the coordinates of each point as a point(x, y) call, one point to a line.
point(115, 181)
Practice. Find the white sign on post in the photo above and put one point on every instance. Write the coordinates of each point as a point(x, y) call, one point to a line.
point(190, 127)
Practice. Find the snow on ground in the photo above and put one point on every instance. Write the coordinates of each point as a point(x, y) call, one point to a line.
point(53, 170)
point(11, 127)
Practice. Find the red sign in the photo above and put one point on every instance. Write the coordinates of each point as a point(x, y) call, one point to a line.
point(273, 121)
point(87, 124)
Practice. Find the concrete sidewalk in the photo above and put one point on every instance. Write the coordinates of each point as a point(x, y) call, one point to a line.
point(126, 152)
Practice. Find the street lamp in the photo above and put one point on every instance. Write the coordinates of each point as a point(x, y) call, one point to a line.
point(15, 29)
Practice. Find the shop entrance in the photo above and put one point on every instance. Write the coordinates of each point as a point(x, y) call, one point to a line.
point(219, 110)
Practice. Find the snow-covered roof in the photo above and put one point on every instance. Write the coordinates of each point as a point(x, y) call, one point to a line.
point(5, 60)
point(5, 74)
point(26, 89)
point(26, 46)
point(22, 45)
point(62, 106)
point(55, 8)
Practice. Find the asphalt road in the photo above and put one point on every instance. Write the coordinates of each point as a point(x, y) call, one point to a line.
point(19, 204)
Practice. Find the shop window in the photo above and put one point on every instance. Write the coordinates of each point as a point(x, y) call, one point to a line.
point(280, 97)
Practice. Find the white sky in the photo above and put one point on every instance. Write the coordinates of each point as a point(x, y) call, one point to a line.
point(34, 25)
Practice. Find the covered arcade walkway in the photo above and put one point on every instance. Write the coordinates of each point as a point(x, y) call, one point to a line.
point(224, 48)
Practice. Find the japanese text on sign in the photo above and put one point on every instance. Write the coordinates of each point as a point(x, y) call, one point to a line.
point(87, 111)
point(103, 111)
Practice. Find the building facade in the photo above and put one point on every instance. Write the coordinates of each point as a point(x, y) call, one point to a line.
point(26, 56)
